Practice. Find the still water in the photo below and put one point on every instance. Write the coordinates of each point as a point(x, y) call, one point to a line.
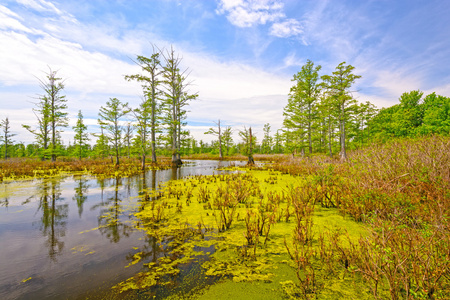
point(72, 237)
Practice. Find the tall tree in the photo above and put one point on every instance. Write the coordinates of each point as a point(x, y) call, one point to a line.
point(249, 144)
point(277, 142)
point(327, 112)
point(109, 117)
point(176, 98)
point(338, 87)
point(366, 111)
point(217, 132)
point(6, 135)
point(57, 116)
point(101, 144)
point(127, 137)
point(147, 115)
point(267, 139)
point(300, 111)
point(81, 135)
point(50, 114)
point(436, 115)
point(227, 139)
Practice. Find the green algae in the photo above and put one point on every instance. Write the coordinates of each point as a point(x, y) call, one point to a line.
point(237, 227)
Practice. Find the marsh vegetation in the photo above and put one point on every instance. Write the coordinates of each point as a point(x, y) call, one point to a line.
point(373, 227)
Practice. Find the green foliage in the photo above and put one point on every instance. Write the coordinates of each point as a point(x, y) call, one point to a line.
point(414, 116)
point(6, 135)
point(249, 143)
point(300, 112)
point(51, 115)
point(267, 142)
point(109, 117)
point(217, 132)
point(81, 137)
point(338, 87)
point(148, 113)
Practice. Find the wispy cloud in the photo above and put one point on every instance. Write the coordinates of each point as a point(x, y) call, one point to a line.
point(287, 28)
point(46, 6)
point(92, 76)
point(246, 13)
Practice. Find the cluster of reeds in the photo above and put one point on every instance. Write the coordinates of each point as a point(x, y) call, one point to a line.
point(302, 252)
point(401, 191)
point(228, 196)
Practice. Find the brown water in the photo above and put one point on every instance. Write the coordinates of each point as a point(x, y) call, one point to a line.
point(72, 237)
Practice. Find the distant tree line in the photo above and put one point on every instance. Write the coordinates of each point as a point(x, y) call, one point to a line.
point(321, 116)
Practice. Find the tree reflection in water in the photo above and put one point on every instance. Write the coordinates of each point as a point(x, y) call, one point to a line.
point(54, 216)
point(109, 220)
point(81, 189)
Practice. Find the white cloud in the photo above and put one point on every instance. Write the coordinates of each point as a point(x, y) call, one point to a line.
point(292, 60)
point(287, 28)
point(45, 6)
point(230, 90)
point(237, 113)
point(10, 20)
point(231, 80)
point(246, 13)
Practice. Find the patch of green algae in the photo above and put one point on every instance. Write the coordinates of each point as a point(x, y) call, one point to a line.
point(185, 229)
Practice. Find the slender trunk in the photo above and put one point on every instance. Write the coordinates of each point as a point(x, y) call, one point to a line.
point(116, 142)
point(220, 143)
point(117, 154)
point(251, 161)
point(179, 136)
point(153, 129)
point(343, 153)
point(175, 161)
point(6, 148)
point(309, 128)
point(53, 120)
point(143, 161)
point(329, 136)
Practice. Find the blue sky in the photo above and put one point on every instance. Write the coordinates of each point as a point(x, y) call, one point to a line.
point(241, 54)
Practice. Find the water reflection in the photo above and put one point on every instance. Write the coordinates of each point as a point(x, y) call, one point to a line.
point(78, 219)
point(81, 189)
point(54, 216)
point(109, 221)
point(4, 202)
point(176, 174)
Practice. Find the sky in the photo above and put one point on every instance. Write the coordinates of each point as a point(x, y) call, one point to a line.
point(241, 54)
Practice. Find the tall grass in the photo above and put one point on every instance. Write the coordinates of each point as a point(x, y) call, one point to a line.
point(401, 190)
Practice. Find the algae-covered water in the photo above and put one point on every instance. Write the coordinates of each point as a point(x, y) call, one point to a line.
point(71, 238)
point(233, 234)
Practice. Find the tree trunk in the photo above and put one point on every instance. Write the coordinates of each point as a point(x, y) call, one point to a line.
point(251, 161)
point(153, 133)
point(117, 155)
point(220, 143)
point(309, 128)
point(143, 161)
point(343, 152)
point(329, 137)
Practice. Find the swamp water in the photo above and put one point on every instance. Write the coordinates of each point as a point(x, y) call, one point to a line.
point(72, 237)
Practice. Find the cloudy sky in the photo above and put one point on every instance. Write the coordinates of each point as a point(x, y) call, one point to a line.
point(242, 54)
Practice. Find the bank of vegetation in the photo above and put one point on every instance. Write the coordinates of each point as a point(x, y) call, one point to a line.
point(353, 202)
point(322, 116)
point(373, 227)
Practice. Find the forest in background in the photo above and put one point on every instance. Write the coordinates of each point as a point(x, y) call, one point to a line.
point(321, 116)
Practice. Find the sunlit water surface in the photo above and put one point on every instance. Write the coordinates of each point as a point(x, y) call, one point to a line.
point(72, 237)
